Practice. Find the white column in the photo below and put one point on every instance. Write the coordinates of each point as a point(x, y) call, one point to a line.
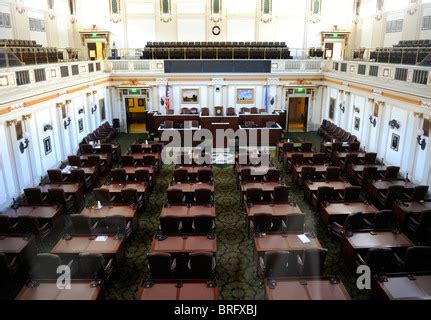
point(225, 93)
point(155, 101)
point(210, 100)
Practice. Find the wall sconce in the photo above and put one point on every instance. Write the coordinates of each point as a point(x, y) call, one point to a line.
point(421, 141)
point(80, 111)
point(67, 123)
point(51, 14)
point(47, 127)
point(342, 107)
point(24, 145)
point(11, 123)
point(373, 121)
point(93, 110)
point(26, 117)
point(356, 109)
point(20, 8)
point(394, 124)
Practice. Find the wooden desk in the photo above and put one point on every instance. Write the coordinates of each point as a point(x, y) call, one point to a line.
point(85, 244)
point(265, 186)
point(362, 241)
point(276, 210)
point(140, 156)
point(319, 288)
point(288, 155)
point(337, 212)
point(374, 187)
point(182, 211)
point(103, 157)
point(403, 210)
point(260, 134)
point(310, 187)
point(191, 187)
point(178, 244)
point(74, 189)
point(192, 170)
point(278, 242)
point(131, 214)
point(18, 245)
point(51, 214)
point(116, 188)
point(48, 290)
point(354, 170)
point(296, 170)
point(401, 287)
point(190, 290)
point(131, 171)
point(337, 156)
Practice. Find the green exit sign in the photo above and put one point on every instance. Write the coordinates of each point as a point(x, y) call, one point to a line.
point(134, 91)
point(299, 90)
point(94, 35)
point(335, 35)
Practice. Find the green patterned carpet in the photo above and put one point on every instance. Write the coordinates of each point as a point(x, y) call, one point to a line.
point(236, 266)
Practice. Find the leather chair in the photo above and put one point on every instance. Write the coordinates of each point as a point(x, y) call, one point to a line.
point(311, 262)
point(307, 173)
point(354, 146)
point(103, 195)
point(136, 148)
point(252, 196)
point(323, 194)
point(205, 112)
point(32, 225)
point(74, 161)
point(95, 161)
point(294, 223)
point(205, 175)
point(78, 176)
point(180, 175)
point(203, 224)
point(55, 176)
point(416, 259)
point(94, 266)
point(386, 200)
point(81, 225)
point(170, 225)
point(254, 110)
point(281, 194)
point(419, 194)
point(318, 159)
point(149, 160)
point(9, 270)
point(306, 147)
point(380, 260)
point(277, 264)
point(353, 222)
point(34, 196)
point(367, 175)
point(161, 265)
point(86, 149)
point(143, 175)
point(350, 194)
point(370, 158)
point(295, 159)
point(131, 196)
point(261, 223)
point(203, 196)
point(128, 161)
point(332, 173)
point(419, 229)
point(230, 111)
point(391, 173)
point(201, 265)
point(382, 220)
point(6, 225)
point(273, 175)
point(286, 147)
point(175, 196)
point(118, 225)
point(351, 159)
point(58, 196)
point(119, 175)
point(245, 175)
point(45, 267)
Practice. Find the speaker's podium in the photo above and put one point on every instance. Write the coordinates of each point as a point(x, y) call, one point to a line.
point(219, 111)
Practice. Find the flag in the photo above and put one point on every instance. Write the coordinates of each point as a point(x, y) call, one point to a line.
point(266, 98)
point(167, 99)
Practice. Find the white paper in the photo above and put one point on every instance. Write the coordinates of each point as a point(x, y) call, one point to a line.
point(304, 238)
point(101, 238)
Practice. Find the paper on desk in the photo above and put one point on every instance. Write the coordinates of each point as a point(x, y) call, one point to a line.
point(101, 238)
point(304, 238)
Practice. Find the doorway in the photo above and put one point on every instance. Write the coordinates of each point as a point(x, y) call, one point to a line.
point(136, 111)
point(95, 50)
point(298, 114)
point(334, 50)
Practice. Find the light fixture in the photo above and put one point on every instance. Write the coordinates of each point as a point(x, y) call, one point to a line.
point(373, 121)
point(24, 145)
point(80, 111)
point(47, 127)
point(20, 7)
point(412, 8)
point(11, 123)
point(394, 124)
point(378, 15)
point(342, 107)
point(355, 19)
point(216, 9)
point(421, 141)
point(93, 109)
point(51, 14)
point(115, 10)
point(67, 123)
point(165, 11)
point(356, 109)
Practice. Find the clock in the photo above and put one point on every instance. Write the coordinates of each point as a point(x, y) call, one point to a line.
point(216, 30)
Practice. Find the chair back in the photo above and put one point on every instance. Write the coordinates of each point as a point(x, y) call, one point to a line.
point(46, 266)
point(201, 265)
point(262, 222)
point(281, 194)
point(352, 193)
point(392, 172)
point(203, 224)
point(119, 175)
point(80, 224)
point(203, 196)
point(159, 264)
point(74, 161)
point(174, 196)
point(169, 224)
point(91, 265)
point(313, 261)
point(55, 176)
point(33, 196)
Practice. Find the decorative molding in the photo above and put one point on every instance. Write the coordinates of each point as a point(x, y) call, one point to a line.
point(10, 123)
point(394, 124)
point(26, 117)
